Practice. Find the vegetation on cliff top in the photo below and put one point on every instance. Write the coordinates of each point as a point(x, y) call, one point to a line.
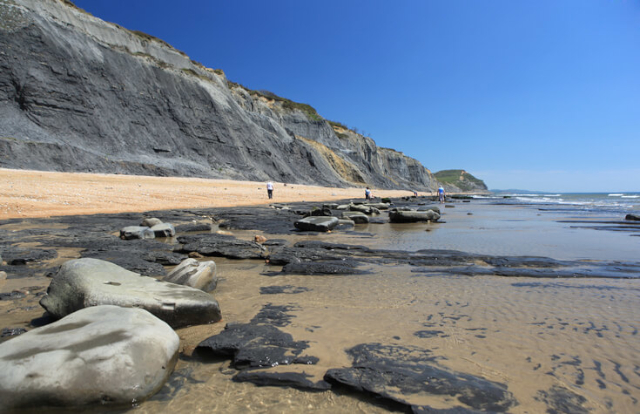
point(461, 179)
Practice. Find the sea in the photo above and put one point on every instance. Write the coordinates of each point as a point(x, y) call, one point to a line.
point(617, 202)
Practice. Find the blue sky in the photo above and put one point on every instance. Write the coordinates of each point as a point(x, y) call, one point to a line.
point(538, 95)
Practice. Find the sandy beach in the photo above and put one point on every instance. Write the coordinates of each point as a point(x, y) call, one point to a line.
point(31, 194)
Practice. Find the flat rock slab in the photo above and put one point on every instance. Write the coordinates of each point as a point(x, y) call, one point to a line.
point(259, 343)
point(103, 355)
point(323, 268)
point(413, 216)
point(222, 246)
point(396, 373)
point(322, 224)
point(281, 379)
point(82, 283)
point(15, 256)
point(190, 228)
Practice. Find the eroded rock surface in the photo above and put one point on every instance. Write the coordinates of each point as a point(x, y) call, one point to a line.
point(398, 373)
point(221, 245)
point(259, 345)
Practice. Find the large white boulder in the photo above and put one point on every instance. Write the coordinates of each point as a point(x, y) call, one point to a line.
point(82, 283)
point(99, 355)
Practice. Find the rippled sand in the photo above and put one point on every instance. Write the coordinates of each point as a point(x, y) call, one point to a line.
point(566, 344)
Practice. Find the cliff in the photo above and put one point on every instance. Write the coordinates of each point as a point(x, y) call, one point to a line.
point(81, 94)
point(457, 181)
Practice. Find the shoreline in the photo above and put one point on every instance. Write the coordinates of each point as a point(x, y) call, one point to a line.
point(41, 194)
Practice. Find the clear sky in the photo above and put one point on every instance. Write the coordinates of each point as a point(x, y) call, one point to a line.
point(538, 95)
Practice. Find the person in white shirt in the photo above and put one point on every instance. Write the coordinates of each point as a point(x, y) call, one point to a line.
point(270, 189)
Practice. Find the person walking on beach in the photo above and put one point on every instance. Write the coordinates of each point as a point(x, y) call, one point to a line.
point(441, 194)
point(367, 194)
point(270, 190)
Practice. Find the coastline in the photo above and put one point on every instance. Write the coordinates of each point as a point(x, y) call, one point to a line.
point(39, 194)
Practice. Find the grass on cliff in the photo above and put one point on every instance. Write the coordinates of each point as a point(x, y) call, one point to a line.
point(307, 109)
point(71, 4)
point(338, 127)
point(460, 179)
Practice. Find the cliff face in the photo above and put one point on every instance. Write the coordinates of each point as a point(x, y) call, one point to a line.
point(457, 181)
point(80, 94)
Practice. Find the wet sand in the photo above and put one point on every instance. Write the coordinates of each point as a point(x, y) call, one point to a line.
point(569, 345)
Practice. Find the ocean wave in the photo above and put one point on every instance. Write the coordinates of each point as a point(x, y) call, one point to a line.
point(616, 195)
point(630, 196)
point(537, 199)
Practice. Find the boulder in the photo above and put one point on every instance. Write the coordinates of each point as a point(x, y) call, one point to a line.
point(103, 355)
point(319, 212)
point(364, 209)
point(356, 217)
point(150, 222)
point(83, 283)
point(316, 223)
point(192, 227)
point(634, 217)
point(413, 216)
point(342, 207)
point(136, 232)
point(164, 230)
point(195, 274)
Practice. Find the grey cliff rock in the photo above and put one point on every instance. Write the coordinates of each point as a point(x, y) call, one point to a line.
point(83, 95)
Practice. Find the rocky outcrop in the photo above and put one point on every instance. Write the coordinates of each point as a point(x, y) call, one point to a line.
point(81, 94)
point(458, 181)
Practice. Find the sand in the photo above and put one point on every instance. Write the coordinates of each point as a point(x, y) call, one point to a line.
point(31, 194)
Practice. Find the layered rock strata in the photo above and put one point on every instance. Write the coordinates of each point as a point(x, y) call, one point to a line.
point(81, 94)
